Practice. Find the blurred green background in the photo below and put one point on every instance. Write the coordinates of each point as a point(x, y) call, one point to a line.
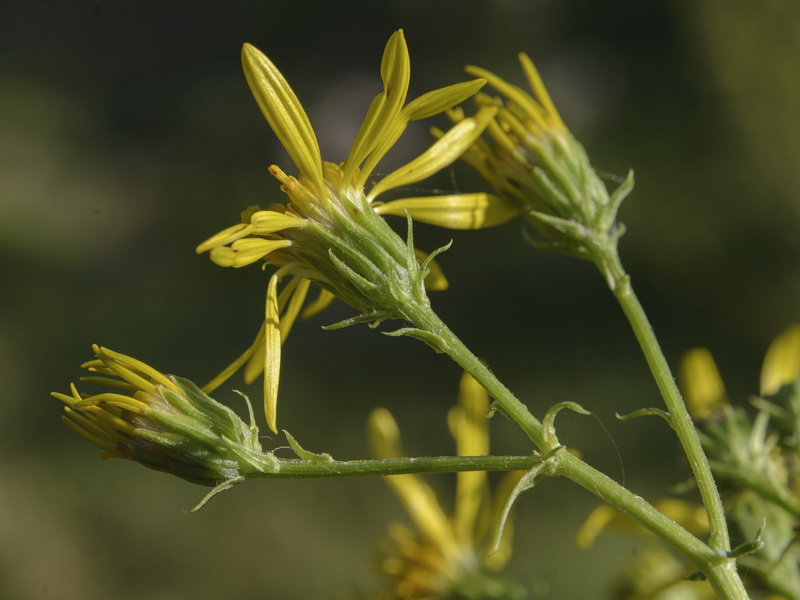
point(128, 135)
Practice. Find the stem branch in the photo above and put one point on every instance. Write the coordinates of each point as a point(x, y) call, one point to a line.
point(608, 262)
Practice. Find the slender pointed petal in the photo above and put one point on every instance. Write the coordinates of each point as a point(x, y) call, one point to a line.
point(438, 101)
point(539, 90)
point(272, 354)
point(315, 307)
point(396, 74)
point(454, 211)
point(470, 428)
point(237, 364)
point(284, 113)
point(443, 152)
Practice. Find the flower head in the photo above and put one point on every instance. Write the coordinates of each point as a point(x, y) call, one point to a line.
point(446, 557)
point(329, 230)
point(163, 422)
point(534, 162)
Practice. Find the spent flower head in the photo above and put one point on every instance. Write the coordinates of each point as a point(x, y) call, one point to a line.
point(161, 421)
point(533, 161)
point(448, 555)
point(329, 230)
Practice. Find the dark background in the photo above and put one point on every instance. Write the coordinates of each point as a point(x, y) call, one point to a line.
point(128, 135)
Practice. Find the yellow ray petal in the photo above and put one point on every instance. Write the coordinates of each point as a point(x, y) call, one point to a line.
point(395, 73)
point(236, 364)
point(270, 221)
point(134, 371)
point(443, 152)
point(246, 251)
point(454, 211)
point(293, 308)
point(317, 306)
point(782, 362)
point(469, 427)
point(272, 354)
point(284, 113)
point(225, 237)
point(535, 111)
point(539, 91)
point(438, 101)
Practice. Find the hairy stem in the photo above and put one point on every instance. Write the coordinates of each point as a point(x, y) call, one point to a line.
point(608, 262)
point(289, 468)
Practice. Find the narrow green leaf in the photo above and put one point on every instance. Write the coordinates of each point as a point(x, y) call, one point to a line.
point(305, 454)
point(225, 485)
point(433, 340)
point(642, 412)
point(548, 422)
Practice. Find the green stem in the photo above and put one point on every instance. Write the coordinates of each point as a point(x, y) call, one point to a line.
point(395, 466)
point(608, 262)
point(718, 568)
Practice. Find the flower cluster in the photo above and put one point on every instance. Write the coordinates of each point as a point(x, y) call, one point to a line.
point(329, 231)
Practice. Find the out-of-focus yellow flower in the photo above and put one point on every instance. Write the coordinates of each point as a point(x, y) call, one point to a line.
point(329, 230)
point(163, 422)
point(446, 557)
point(701, 383)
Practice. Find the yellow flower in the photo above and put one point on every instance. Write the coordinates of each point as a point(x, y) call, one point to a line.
point(447, 554)
point(702, 385)
point(163, 422)
point(329, 230)
point(535, 163)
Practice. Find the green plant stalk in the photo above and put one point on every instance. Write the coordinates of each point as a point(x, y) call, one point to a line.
point(293, 468)
point(715, 565)
point(607, 260)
